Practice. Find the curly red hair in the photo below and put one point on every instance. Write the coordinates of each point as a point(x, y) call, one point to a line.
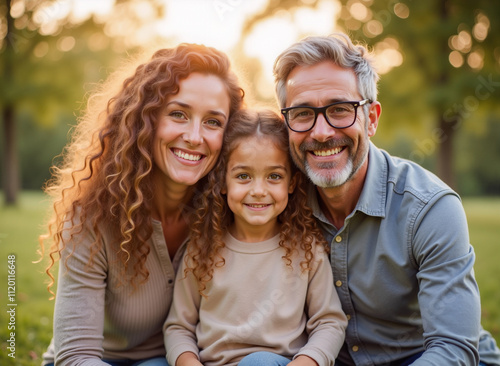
point(299, 231)
point(105, 176)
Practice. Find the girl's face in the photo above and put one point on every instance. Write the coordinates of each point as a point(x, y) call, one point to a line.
point(258, 181)
point(188, 138)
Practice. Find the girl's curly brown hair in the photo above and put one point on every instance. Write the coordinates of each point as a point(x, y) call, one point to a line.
point(106, 175)
point(213, 217)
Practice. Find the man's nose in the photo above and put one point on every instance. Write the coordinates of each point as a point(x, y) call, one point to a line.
point(322, 131)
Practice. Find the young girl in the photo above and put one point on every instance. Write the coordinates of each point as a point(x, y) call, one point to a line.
point(255, 287)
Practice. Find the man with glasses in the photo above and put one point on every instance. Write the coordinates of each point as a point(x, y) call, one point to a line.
point(400, 252)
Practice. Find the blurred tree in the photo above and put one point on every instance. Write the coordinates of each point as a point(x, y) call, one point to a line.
point(49, 52)
point(441, 60)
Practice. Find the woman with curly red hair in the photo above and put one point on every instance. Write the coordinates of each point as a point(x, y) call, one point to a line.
point(255, 284)
point(122, 200)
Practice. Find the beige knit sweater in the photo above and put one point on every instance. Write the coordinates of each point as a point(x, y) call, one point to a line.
point(95, 318)
point(257, 303)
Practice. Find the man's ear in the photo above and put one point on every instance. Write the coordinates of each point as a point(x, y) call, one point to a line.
point(373, 117)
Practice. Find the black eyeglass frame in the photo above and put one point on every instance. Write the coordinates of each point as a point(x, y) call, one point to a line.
point(318, 110)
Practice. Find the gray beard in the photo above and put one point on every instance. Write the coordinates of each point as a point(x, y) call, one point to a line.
point(328, 177)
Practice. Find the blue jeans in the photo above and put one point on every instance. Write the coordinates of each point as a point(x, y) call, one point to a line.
point(407, 361)
point(264, 359)
point(156, 361)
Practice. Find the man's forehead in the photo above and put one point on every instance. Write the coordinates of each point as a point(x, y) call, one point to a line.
point(319, 81)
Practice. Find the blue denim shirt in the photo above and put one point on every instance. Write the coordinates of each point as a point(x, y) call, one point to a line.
point(403, 269)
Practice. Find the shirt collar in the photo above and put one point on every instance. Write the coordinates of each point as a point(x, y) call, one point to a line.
point(373, 196)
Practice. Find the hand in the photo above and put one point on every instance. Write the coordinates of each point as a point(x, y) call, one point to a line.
point(303, 360)
point(188, 359)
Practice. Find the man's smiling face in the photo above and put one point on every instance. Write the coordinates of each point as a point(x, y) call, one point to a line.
point(330, 157)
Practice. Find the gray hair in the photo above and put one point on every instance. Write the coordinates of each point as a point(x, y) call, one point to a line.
point(337, 48)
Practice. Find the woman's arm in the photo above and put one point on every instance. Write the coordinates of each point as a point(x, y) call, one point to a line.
point(79, 306)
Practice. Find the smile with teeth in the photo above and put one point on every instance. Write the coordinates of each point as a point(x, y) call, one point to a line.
point(186, 156)
point(257, 205)
point(327, 152)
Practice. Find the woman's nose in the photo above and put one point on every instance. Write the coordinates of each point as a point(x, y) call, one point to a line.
point(193, 135)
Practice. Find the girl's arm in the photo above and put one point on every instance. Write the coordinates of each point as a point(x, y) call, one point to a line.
point(179, 329)
point(303, 361)
point(188, 359)
point(326, 322)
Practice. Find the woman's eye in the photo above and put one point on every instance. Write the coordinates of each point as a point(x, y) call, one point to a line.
point(177, 114)
point(214, 122)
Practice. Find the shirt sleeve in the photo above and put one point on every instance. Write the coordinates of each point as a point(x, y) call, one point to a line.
point(180, 327)
point(448, 294)
point(326, 322)
point(79, 306)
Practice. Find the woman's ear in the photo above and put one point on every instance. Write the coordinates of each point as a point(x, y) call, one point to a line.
point(293, 183)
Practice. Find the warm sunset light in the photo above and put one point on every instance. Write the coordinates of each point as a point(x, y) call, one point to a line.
point(219, 23)
point(122, 134)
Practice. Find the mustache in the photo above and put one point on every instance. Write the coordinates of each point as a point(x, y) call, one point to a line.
point(327, 145)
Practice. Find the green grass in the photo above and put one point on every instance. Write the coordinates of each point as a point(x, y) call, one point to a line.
point(483, 215)
point(19, 230)
point(21, 225)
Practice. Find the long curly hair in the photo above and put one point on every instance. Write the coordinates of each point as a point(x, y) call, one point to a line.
point(213, 217)
point(105, 176)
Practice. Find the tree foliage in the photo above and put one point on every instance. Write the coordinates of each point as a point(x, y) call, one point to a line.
point(48, 56)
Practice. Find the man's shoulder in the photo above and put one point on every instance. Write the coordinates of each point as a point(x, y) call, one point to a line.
point(406, 176)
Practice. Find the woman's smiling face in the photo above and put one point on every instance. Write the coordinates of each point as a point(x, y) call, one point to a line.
point(188, 138)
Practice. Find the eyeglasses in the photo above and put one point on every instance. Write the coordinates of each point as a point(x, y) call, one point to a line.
point(338, 115)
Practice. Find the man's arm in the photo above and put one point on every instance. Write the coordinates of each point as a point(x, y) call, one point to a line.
point(448, 293)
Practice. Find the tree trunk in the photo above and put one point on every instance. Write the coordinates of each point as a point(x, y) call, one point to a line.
point(11, 166)
point(445, 163)
point(11, 163)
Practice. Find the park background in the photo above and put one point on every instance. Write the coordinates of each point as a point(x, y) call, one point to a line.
point(439, 62)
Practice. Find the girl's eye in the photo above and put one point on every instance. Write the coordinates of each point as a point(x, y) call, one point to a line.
point(275, 176)
point(243, 176)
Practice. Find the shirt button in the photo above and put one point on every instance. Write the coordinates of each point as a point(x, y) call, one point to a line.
point(348, 317)
point(355, 348)
point(338, 283)
point(170, 281)
point(338, 238)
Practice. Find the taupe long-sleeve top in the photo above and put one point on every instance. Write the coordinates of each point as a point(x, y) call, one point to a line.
point(94, 318)
point(255, 302)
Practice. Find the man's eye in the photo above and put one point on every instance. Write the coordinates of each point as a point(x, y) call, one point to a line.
point(301, 113)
